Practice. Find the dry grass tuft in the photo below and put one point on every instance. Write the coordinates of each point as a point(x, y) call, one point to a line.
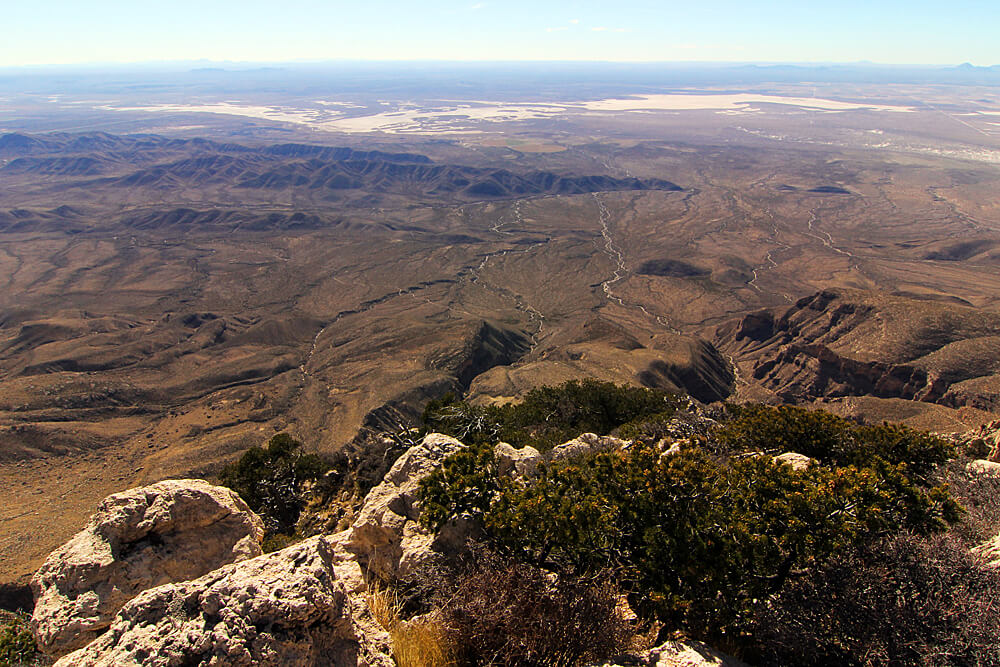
point(419, 643)
point(384, 605)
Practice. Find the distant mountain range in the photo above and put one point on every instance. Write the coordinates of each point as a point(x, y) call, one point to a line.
point(150, 161)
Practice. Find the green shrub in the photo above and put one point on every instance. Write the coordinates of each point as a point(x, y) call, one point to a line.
point(699, 540)
point(17, 643)
point(466, 484)
point(831, 439)
point(271, 480)
point(549, 416)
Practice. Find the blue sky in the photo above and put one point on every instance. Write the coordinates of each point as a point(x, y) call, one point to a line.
point(884, 31)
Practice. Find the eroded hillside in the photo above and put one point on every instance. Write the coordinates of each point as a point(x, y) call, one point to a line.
point(169, 302)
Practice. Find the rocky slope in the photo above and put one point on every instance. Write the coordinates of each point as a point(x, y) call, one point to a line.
point(301, 606)
point(148, 581)
point(306, 605)
point(310, 604)
point(839, 343)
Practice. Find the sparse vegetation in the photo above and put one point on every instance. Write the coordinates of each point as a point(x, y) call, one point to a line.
point(272, 480)
point(905, 600)
point(17, 644)
point(549, 416)
point(362, 463)
point(422, 642)
point(497, 611)
point(278, 541)
point(703, 539)
point(979, 496)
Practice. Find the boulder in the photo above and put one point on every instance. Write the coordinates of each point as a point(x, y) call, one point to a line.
point(984, 467)
point(517, 462)
point(588, 443)
point(690, 654)
point(990, 552)
point(136, 540)
point(296, 607)
point(679, 654)
point(794, 459)
point(385, 535)
point(981, 441)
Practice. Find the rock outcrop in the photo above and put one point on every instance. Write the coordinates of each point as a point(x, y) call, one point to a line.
point(984, 467)
point(838, 343)
point(138, 539)
point(588, 443)
point(680, 654)
point(385, 535)
point(796, 460)
point(989, 436)
point(691, 654)
point(513, 462)
point(990, 552)
point(295, 608)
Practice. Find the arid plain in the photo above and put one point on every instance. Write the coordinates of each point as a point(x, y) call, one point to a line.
point(183, 280)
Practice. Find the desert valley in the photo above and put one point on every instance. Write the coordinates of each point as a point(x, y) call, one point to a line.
point(188, 273)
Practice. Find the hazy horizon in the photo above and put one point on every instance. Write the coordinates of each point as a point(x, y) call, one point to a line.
point(66, 32)
point(307, 62)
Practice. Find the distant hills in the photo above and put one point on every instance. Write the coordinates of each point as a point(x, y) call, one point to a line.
point(151, 161)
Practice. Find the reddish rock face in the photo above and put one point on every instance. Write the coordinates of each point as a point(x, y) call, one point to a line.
point(840, 343)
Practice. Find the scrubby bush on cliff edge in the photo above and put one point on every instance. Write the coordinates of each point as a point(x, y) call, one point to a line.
point(272, 479)
point(17, 643)
point(491, 610)
point(696, 541)
point(700, 540)
point(548, 416)
point(502, 612)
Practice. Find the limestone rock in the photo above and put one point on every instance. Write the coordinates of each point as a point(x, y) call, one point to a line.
point(385, 529)
point(136, 540)
point(517, 462)
point(990, 434)
point(794, 459)
point(984, 467)
point(983, 441)
point(671, 446)
point(679, 654)
point(990, 551)
point(291, 608)
point(691, 654)
point(588, 443)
